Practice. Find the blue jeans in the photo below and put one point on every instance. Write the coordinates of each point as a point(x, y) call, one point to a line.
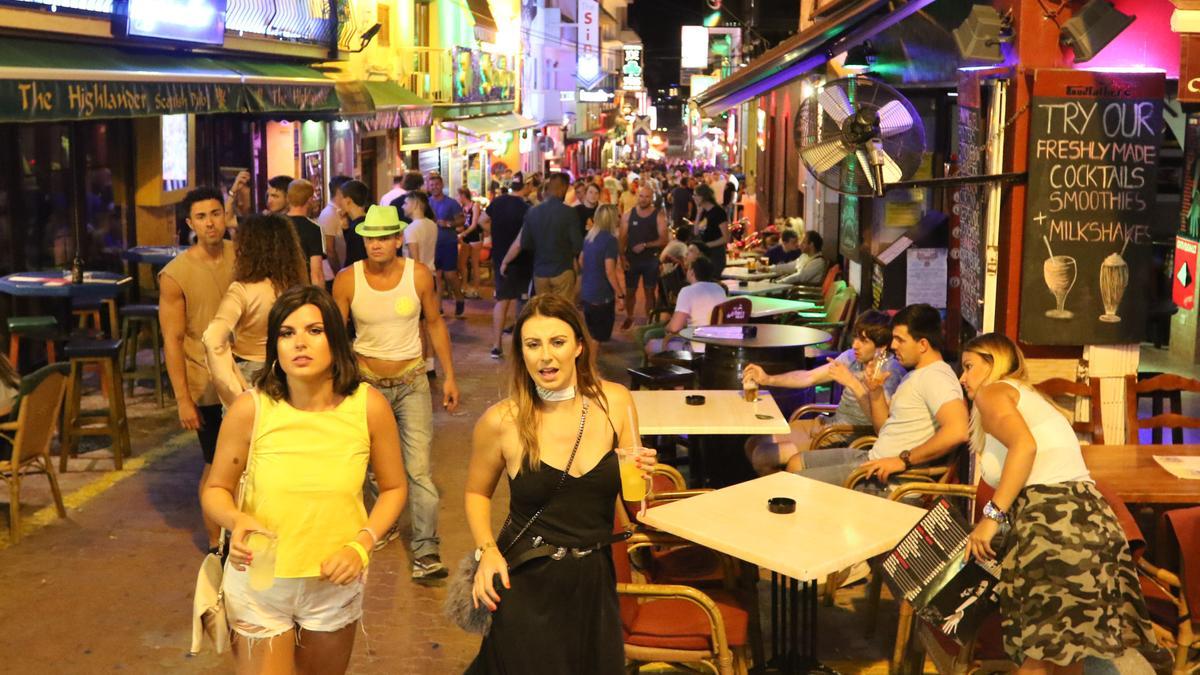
point(413, 408)
point(832, 465)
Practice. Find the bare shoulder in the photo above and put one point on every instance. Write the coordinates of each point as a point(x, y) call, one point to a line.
point(997, 396)
point(421, 274)
point(617, 394)
point(498, 416)
point(242, 411)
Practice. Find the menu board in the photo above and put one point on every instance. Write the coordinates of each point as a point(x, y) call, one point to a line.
point(1093, 150)
point(969, 201)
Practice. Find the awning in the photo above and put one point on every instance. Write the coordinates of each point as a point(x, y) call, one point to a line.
point(844, 25)
point(388, 94)
point(49, 81)
point(490, 124)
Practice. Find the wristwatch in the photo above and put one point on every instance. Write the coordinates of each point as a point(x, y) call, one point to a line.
point(904, 457)
point(479, 551)
point(993, 512)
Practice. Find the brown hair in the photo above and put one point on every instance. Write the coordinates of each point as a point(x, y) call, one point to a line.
point(268, 248)
point(523, 390)
point(8, 374)
point(271, 379)
point(873, 325)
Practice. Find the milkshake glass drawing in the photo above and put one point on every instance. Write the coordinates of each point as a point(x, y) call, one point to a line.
point(1114, 278)
point(1059, 271)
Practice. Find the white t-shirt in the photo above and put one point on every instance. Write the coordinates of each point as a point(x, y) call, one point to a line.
point(391, 195)
point(1058, 459)
point(920, 396)
point(423, 232)
point(331, 226)
point(697, 301)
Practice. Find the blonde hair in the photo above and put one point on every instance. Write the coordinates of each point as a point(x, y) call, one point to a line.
point(299, 192)
point(605, 220)
point(1008, 363)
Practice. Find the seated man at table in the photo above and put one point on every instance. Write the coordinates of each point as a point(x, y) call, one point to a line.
point(924, 420)
point(809, 267)
point(693, 307)
point(787, 250)
point(851, 369)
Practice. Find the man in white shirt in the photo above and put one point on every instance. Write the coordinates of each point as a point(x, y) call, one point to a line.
point(332, 220)
point(693, 307)
point(810, 267)
point(925, 419)
point(396, 191)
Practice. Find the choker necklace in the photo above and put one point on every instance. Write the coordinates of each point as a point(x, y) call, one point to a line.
point(552, 396)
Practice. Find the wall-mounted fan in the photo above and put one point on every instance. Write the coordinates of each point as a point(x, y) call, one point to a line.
point(857, 135)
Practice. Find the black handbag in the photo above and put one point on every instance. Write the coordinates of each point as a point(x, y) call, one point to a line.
point(460, 602)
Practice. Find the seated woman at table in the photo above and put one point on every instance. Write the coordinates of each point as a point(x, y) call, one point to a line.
point(1068, 588)
point(554, 438)
point(672, 271)
point(693, 308)
point(269, 261)
point(851, 369)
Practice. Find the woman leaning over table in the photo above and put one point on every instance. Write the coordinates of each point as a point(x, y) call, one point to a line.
point(551, 615)
point(269, 261)
point(304, 437)
point(1068, 588)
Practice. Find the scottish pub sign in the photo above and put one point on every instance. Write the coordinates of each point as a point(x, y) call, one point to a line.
point(1093, 153)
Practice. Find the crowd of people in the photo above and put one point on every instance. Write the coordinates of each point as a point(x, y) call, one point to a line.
point(301, 353)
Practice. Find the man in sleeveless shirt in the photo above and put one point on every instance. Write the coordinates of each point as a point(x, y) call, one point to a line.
point(385, 295)
point(190, 290)
point(643, 234)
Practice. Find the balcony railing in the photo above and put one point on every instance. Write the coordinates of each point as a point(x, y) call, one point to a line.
point(429, 72)
point(310, 21)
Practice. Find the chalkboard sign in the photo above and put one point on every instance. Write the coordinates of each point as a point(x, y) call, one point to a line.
point(969, 201)
point(1093, 150)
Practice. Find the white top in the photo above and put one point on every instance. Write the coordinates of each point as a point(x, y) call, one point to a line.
point(1058, 459)
point(697, 301)
point(391, 195)
point(724, 413)
point(831, 529)
point(422, 232)
point(331, 226)
point(910, 422)
point(387, 321)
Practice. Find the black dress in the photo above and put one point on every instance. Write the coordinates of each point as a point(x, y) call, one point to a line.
point(559, 616)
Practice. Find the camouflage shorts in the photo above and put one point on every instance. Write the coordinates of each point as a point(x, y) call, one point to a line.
point(1068, 585)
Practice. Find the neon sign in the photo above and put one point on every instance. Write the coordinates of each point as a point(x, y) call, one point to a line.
point(200, 21)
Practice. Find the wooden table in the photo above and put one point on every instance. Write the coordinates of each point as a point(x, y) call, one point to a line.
point(724, 413)
point(764, 307)
point(744, 274)
point(1131, 472)
point(735, 287)
point(832, 529)
point(777, 348)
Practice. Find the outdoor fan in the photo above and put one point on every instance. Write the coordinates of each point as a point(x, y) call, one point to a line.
point(856, 135)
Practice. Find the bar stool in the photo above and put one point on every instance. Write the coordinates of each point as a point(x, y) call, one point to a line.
point(666, 376)
point(43, 328)
point(90, 315)
point(133, 317)
point(110, 421)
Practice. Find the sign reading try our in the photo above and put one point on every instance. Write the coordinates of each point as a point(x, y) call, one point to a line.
point(1093, 156)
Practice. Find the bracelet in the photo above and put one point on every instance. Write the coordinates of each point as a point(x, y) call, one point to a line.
point(374, 539)
point(362, 552)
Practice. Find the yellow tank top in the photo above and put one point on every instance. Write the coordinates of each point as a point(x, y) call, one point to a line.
point(306, 477)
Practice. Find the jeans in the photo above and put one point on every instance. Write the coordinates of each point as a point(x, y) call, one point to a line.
point(832, 465)
point(413, 408)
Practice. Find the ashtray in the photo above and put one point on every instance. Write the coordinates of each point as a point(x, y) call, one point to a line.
point(743, 283)
point(781, 505)
point(693, 399)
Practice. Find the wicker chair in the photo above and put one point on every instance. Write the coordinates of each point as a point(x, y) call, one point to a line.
point(37, 407)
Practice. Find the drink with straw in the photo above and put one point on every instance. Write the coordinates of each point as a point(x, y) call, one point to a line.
point(634, 481)
point(1114, 278)
point(1059, 272)
point(262, 566)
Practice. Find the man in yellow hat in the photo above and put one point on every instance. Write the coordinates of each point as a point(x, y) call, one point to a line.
point(386, 295)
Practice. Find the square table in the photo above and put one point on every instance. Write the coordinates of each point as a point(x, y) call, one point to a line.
point(831, 529)
point(1132, 473)
point(734, 287)
point(744, 274)
point(724, 413)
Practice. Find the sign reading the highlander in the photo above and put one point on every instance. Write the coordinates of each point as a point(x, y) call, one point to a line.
point(587, 66)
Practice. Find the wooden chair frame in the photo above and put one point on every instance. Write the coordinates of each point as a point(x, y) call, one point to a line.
point(722, 660)
point(47, 395)
point(1058, 386)
point(1172, 420)
point(1186, 638)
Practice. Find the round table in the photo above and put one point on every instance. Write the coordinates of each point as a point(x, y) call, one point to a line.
point(57, 284)
point(777, 348)
point(153, 255)
point(742, 287)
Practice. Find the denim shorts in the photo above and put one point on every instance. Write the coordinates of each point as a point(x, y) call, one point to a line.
point(309, 602)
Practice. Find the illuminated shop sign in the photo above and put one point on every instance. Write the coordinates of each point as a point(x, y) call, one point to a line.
point(200, 21)
point(631, 69)
point(597, 96)
point(694, 43)
point(587, 68)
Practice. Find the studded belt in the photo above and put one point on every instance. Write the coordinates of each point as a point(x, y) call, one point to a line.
point(542, 549)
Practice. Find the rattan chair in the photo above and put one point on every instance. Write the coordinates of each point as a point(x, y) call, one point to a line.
point(30, 432)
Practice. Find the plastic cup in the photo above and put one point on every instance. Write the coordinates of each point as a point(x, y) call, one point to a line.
point(634, 481)
point(262, 566)
point(750, 391)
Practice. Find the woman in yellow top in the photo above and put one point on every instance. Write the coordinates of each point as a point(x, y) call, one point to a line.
point(269, 261)
point(303, 438)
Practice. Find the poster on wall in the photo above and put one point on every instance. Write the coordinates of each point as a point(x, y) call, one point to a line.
point(1093, 153)
point(969, 200)
point(313, 171)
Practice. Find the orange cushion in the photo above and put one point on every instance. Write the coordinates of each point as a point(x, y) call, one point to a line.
point(681, 624)
point(686, 565)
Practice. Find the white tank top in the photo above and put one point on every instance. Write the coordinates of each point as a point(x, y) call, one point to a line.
point(387, 321)
point(1058, 458)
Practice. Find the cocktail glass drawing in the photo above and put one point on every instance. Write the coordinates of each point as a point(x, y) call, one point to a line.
point(1059, 272)
point(1114, 279)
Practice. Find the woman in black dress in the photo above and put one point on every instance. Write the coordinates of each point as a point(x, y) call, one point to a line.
point(712, 227)
point(551, 615)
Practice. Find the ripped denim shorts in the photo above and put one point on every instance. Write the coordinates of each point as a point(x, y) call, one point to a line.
point(309, 602)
